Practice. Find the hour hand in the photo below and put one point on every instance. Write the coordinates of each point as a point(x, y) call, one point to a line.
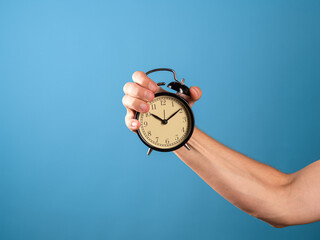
point(155, 116)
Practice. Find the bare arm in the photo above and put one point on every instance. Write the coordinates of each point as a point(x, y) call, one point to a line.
point(277, 198)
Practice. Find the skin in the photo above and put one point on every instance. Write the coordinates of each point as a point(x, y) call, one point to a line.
point(275, 197)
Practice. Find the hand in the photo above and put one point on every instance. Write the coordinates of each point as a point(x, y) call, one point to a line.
point(141, 91)
point(173, 114)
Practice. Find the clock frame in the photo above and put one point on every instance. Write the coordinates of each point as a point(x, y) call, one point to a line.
point(189, 134)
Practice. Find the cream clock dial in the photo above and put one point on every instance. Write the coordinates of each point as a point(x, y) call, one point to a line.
point(169, 123)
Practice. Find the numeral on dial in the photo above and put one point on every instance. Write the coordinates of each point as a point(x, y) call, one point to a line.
point(149, 133)
point(167, 141)
point(163, 102)
point(153, 106)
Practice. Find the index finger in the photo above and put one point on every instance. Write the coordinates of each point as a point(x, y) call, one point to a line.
point(143, 80)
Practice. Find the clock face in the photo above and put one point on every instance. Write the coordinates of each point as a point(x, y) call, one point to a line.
point(169, 123)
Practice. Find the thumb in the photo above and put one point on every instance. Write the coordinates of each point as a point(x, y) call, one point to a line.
point(195, 95)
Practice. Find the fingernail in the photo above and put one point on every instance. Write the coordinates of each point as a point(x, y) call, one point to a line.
point(134, 124)
point(143, 107)
point(153, 87)
point(149, 95)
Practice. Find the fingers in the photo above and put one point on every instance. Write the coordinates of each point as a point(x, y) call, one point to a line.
point(195, 95)
point(136, 91)
point(137, 95)
point(135, 104)
point(132, 123)
point(144, 81)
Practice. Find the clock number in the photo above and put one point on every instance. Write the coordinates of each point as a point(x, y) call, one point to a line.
point(180, 110)
point(167, 141)
point(163, 102)
point(153, 106)
point(184, 119)
point(148, 114)
point(172, 104)
point(157, 139)
point(177, 137)
point(145, 124)
point(149, 133)
point(183, 129)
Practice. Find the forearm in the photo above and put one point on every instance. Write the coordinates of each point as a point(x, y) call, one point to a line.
point(255, 188)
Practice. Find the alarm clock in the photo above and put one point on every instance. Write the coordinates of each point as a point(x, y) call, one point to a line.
point(169, 124)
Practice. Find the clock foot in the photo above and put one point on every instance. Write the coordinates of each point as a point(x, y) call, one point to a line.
point(187, 146)
point(149, 151)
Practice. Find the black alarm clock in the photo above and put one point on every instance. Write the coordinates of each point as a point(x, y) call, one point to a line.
point(169, 124)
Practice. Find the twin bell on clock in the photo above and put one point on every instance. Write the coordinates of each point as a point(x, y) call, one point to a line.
point(169, 124)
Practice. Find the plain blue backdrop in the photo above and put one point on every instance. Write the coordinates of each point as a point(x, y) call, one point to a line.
point(69, 168)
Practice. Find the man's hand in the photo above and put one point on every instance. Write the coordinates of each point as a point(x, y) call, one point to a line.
point(141, 91)
point(275, 197)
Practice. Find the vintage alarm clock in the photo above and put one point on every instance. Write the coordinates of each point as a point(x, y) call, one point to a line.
point(169, 124)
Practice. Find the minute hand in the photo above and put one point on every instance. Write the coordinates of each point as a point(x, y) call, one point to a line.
point(173, 114)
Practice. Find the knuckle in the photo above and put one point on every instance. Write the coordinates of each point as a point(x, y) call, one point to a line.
point(126, 117)
point(131, 102)
point(126, 122)
point(127, 87)
point(138, 76)
point(130, 114)
point(124, 99)
point(134, 90)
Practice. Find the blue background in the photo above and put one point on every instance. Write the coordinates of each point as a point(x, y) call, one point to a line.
point(69, 168)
